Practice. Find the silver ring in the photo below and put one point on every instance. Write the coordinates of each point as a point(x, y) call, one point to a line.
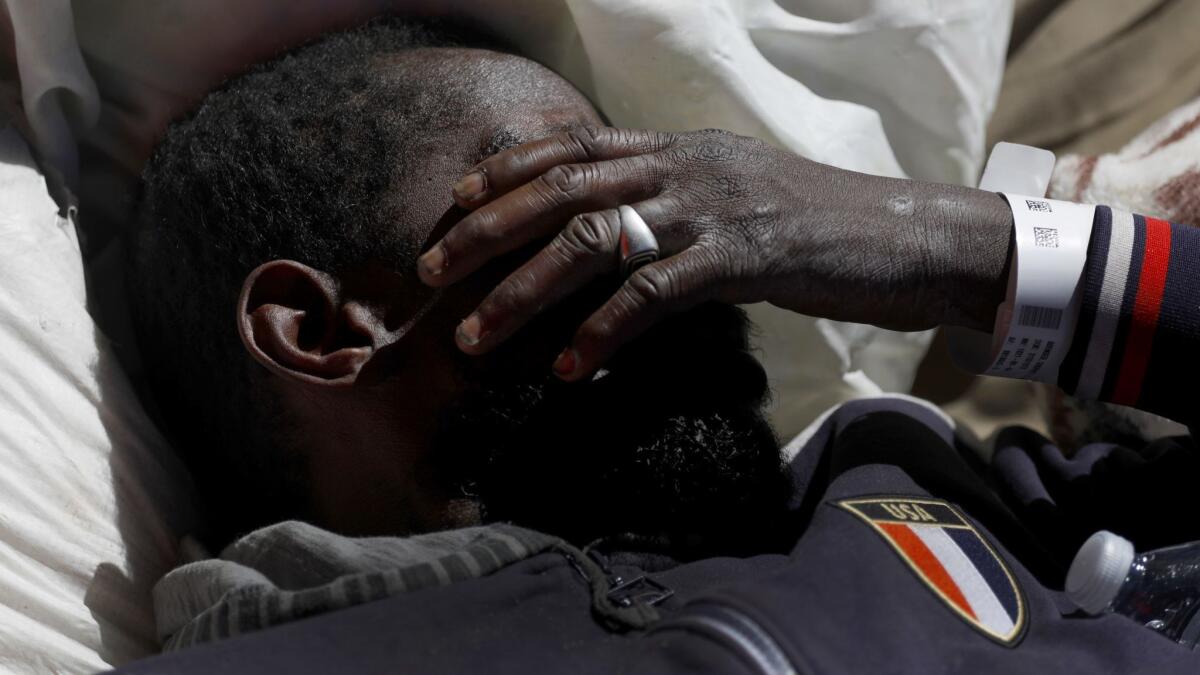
point(638, 244)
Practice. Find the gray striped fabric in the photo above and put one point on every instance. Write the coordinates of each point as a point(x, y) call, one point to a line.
point(294, 570)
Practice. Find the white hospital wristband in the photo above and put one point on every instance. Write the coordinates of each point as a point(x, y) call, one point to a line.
point(1035, 324)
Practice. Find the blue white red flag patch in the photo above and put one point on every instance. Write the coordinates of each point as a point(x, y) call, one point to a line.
point(946, 552)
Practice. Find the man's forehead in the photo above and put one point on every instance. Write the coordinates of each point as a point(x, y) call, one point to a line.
point(494, 101)
point(428, 208)
point(426, 195)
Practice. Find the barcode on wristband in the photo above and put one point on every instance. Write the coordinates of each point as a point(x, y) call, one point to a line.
point(1040, 317)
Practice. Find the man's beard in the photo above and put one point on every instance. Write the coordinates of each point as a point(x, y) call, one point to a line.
point(670, 443)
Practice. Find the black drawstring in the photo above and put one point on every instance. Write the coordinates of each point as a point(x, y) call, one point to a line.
point(613, 615)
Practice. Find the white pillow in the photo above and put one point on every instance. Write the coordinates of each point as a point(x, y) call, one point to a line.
point(91, 499)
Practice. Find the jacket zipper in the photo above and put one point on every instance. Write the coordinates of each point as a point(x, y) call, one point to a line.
point(737, 631)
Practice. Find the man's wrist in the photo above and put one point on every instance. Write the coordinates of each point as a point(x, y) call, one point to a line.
point(980, 260)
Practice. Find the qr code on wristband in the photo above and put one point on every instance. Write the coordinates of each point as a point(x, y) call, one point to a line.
point(1045, 237)
point(1038, 206)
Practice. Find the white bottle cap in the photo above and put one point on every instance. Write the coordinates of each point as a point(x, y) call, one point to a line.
point(1099, 570)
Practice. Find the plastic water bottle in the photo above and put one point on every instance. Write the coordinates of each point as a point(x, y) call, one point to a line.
point(1159, 589)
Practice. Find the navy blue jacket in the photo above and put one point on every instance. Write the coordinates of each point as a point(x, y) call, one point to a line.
point(915, 557)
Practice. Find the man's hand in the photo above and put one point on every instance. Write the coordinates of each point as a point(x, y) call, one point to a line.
point(737, 221)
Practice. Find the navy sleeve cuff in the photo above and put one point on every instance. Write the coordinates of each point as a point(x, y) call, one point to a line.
point(1139, 323)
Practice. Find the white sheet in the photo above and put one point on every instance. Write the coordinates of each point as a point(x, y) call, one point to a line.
point(89, 497)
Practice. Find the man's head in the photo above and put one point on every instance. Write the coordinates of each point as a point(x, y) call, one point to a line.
point(306, 372)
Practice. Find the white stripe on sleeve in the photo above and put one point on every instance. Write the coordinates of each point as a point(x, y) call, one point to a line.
point(1108, 308)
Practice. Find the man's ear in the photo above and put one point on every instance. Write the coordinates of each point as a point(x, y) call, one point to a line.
point(294, 322)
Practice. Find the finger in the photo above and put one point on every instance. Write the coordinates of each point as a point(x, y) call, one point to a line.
point(537, 210)
point(506, 170)
point(587, 248)
point(672, 285)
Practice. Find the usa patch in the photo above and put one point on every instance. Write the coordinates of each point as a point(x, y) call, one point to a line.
point(947, 553)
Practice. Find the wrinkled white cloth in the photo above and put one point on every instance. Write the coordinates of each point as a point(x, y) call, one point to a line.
point(891, 87)
point(1155, 174)
point(57, 91)
point(90, 499)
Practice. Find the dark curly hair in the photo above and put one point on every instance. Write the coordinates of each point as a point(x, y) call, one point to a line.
point(297, 158)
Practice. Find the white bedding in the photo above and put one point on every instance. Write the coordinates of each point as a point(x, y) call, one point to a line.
point(90, 500)
point(90, 503)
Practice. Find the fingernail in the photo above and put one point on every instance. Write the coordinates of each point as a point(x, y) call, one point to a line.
point(470, 330)
point(470, 186)
point(565, 364)
point(434, 261)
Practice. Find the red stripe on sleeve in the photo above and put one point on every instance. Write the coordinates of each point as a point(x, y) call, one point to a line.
point(928, 564)
point(1146, 305)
